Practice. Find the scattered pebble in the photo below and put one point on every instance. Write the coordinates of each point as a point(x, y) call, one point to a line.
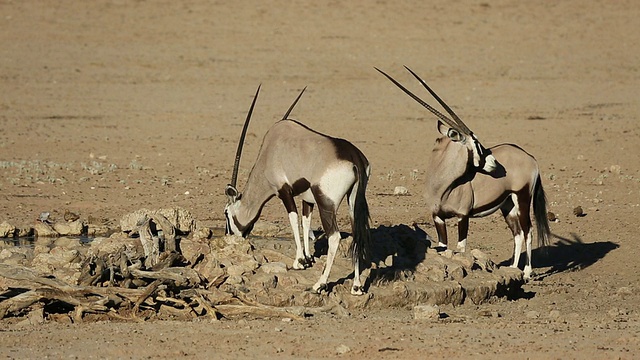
point(426, 312)
point(489, 313)
point(532, 314)
point(400, 190)
point(342, 349)
point(625, 290)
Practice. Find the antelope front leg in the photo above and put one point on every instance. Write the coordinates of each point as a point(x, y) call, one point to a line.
point(286, 195)
point(299, 262)
point(334, 241)
point(463, 231)
point(441, 228)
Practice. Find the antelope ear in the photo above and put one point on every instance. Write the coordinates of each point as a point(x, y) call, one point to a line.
point(231, 192)
point(442, 128)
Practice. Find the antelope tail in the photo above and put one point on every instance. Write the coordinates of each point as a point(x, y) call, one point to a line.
point(540, 213)
point(360, 249)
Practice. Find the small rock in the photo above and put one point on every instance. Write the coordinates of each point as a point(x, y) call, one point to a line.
point(489, 313)
point(202, 233)
point(274, 268)
point(342, 349)
point(447, 253)
point(483, 261)
point(7, 230)
point(624, 291)
point(44, 230)
point(426, 312)
point(71, 228)
point(400, 190)
point(532, 314)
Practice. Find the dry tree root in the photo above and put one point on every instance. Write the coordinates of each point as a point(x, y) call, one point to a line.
point(137, 282)
point(176, 291)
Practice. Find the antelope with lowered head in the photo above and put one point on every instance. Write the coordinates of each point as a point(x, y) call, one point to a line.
point(465, 179)
point(295, 161)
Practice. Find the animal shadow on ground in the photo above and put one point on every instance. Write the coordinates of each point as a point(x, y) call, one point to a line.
point(567, 254)
point(395, 252)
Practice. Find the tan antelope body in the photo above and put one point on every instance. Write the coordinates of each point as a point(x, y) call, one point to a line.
point(465, 179)
point(295, 161)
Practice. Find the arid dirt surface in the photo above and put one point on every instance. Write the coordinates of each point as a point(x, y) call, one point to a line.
point(112, 106)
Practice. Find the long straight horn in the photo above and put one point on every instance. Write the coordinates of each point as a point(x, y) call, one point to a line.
point(455, 117)
point(286, 115)
point(234, 176)
point(421, 102)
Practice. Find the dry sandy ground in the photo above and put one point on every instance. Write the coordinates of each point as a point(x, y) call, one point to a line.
point(110, 106)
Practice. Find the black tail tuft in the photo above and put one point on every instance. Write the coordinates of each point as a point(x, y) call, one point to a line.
point(360, 249)
point(540, 213)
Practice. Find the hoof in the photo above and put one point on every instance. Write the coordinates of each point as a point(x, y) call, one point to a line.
point(357, 290)
point(310, 260)
point(299, 264)
point(319, 288)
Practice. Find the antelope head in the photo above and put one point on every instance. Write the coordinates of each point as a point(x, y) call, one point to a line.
point(456, 134)
point(233, 195)
point(234, 205)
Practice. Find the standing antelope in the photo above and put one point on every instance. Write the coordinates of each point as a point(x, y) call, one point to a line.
point(465, 179)
point(297, 161)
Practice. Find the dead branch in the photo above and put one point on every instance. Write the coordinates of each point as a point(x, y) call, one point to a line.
point(180, 276)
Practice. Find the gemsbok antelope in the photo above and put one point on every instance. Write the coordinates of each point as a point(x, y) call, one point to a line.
point(295, 161)
point(465, 179)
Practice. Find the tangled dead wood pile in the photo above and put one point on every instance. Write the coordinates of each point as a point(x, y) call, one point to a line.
point(134, 276)
point(161, 266)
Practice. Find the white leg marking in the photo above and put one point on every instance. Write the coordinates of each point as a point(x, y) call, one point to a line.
point(462, 245)
point(293, 219)
point(528, 266)
point(518, 240)
point(439, 221)
point(306, 234)
point(357, 285)
point(334, 241)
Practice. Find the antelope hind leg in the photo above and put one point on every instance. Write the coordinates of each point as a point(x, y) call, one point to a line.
point(307, 233)
point(357, 288)
point(334, 241)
